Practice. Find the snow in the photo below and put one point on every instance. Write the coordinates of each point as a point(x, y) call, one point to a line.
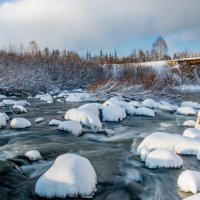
point(189, 181)
point(86, 118)
point(165, 106)
point(134, 103)
point(189, 123)
point(163, 158)
point(45, 97)
point(78, 90)
point(62, 94)
point(39, 119)
point(172, 142)
point(192, 104)
point(72, 127)
point(54, 122)
point(33, 155)
point(2, 121)
point(191, 132)
point(80, 97)
point(113, 113)
point(145, 112)
point(197, 124)
point(5, 116)
point(18, 123)
point(71, 175)
point(8, 102)
point(188, 88)
point(159, 66)
point(3, 96)
point(19, 109)
point(92, 107)
point(186, 111)
point(149, 103)
point(193, 197)
point(22, 103)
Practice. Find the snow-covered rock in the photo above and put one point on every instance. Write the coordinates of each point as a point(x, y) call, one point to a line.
point(33, 155)
point(8, 102)
point(62, 95)
point(39, 119)
point(18, 123)
point(186, 111)
point(19, 109)
point(71, 175)
point(78, 90)
point(192, 104)
point(92, 107)
point(172, 142)
point(145, 112)
point(163, 158)
point(113, 113)
point(2, 121)
point(189, 181)
point(54, 122)
point(86, 118)
point(80, 97)
point(149, 103)
point(5, 116)
point(72, 127)
point(22, 103)
point(134, 103)
point(189, 123)
point(193, 197)
point(45, 97)
point(3, 96)
point(166, 107)
point(191, 132)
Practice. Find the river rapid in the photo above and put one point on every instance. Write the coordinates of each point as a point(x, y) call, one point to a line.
point(121, 174)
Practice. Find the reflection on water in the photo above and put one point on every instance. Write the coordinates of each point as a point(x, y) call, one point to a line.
point(121, 174)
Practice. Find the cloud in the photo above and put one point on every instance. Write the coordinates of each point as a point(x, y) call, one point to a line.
point(95, 24)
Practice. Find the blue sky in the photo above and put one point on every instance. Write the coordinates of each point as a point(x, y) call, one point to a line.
point(83, 25)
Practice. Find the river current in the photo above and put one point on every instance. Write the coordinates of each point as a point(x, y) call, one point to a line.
point(121, 174)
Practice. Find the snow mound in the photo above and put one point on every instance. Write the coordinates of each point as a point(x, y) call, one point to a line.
point(193, 197)
point(8, 102)
point(192, 104)
point(163, 158)
point(62, 94)
point(145, 112)
point(72, 127)
point(18, 123)
point(45, 97)
point(92, 107)
point(189, 181)
point(39, 119)
point(149, 103)
point(134, 103)
point(71, 175)
point(172, 142)
point(19, 109)
point(113, 113)
point(22, 103)
point(54, 122)
point(80, 97)
point(5, 116)
point(189, 123)
point(3, 122)
point(3, 96)
point(191, 132)
point(86, 118)
point(186, 111)
point(33, 155)
point(166, 107)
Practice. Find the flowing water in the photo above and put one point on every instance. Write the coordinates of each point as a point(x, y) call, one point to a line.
point(121, 174)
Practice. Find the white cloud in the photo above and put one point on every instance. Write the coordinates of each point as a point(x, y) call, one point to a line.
point(95, 24)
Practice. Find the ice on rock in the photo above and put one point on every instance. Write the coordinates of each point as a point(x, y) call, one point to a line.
point(92, 107)
point(172, 142)
point(54, 122)
point(18, 123)
point(80, 97)
point(191, 132)
point(3, 96)
point(189, 123)
point(71, 175)
point(72, 127)
point(163, 158)
point(86, 118)
point(39, 119)
point(149, 103)
point(192, 104)
point(134, 104)
point(193, 197)
point(145, 112)
point(189, 181)
point(33, 155)
point(186, 111)
point(19, 109)
point(113, 113)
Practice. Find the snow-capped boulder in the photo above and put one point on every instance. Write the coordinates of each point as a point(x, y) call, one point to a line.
point(80, 97)
point(92, 107)
point(5, 116)
point(3, 96)
point(143, 111)
point(71, 175)
point(22, 103)
point(72, 127)
point(166, 107)
point(45, 97)
point(189, 123)
point(163, 158)
point(8, 102)
point(54, 122)
point(192, 104)
point(86, 118)
point(149, 103)
point(193, 197)
point(134, 103)
point(189, 181)
point(191, 132)
point(172, 142)
point(2, 121)
point(18, 123)
point(113, 113)
point(39, 119)
point(19, 109)
point(186, 111)
point(33, 155)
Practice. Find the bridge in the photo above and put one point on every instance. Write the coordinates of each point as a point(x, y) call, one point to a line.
point(188, 61)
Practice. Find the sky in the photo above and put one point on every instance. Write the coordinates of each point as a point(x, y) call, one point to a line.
point(91, 25)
